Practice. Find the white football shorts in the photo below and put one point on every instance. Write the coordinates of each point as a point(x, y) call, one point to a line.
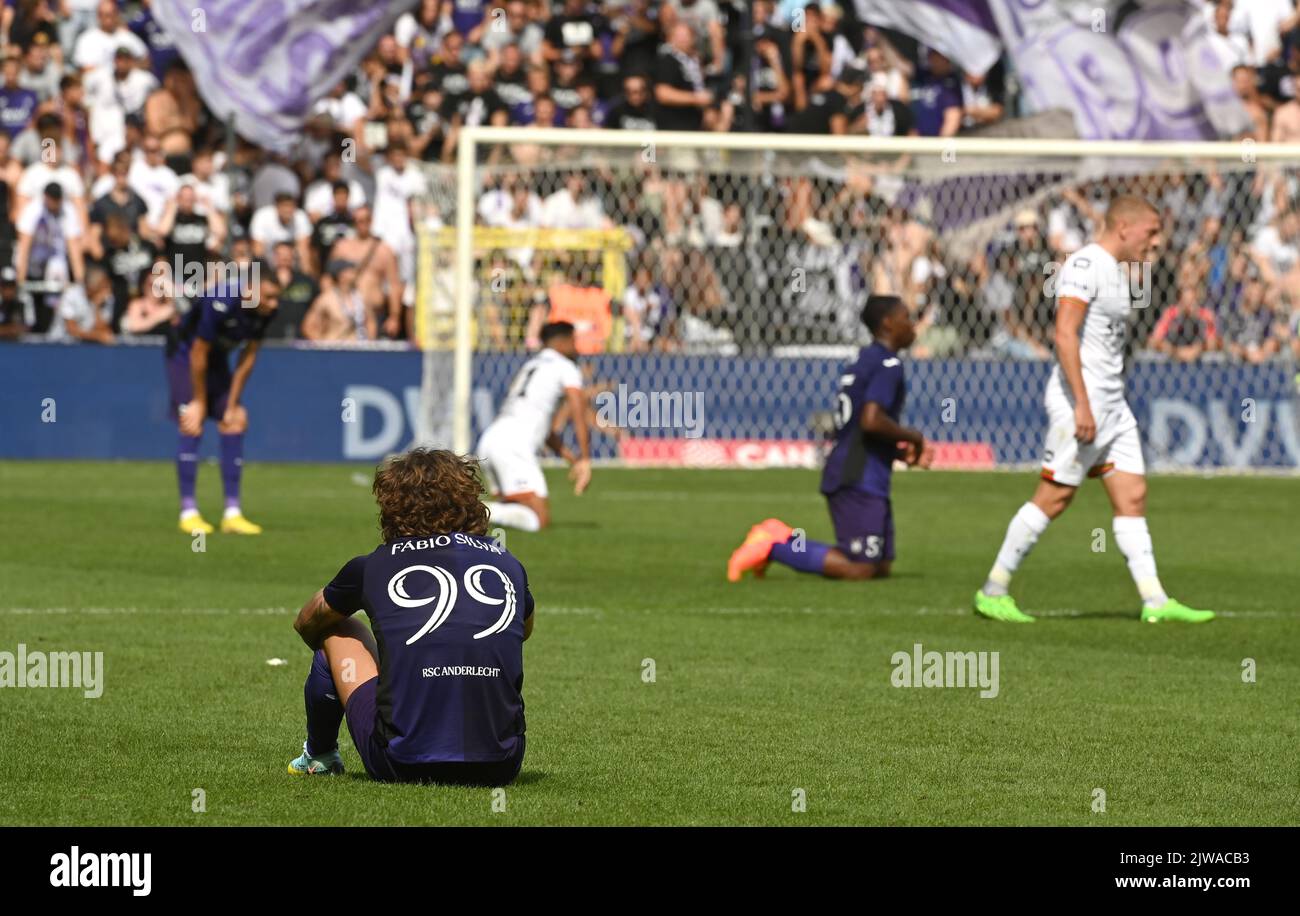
point(1117, 446)
point(510, 462)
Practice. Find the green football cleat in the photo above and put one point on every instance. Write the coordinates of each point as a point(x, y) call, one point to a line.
point(1175, 612)
point(1000, 607)
point(330, 764)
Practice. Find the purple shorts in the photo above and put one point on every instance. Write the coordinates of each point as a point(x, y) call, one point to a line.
point(182, 389)
point(361, 713)
point(864, 525)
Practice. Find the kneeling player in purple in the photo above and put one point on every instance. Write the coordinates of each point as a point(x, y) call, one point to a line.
point(203, 385)
point(432, 690)
point(856, 478)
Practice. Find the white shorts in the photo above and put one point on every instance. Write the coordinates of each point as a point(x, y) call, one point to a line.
point(1117, 446)
point(511, 462)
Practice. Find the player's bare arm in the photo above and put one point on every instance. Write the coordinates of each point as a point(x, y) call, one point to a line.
point(555, 443)
point(195, 412)
point(580, 470)
point(875, 422)
point(235, 419)
point(1070, 313)
point(348, 643)
point(317, 620)
point(393, 281)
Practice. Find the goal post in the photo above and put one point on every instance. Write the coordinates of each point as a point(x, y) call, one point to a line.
point(729, 269)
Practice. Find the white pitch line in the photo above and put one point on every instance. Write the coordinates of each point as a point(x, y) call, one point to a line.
point(565, 610)
point(169, 611)
point(222, 611)
point(650, 495)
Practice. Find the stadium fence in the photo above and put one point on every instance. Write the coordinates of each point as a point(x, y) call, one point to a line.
point(724, 273)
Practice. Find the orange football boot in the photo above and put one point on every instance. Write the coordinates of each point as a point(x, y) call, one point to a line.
point(752, 555)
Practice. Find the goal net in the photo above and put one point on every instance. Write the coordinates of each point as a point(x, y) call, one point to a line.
point(715, 281)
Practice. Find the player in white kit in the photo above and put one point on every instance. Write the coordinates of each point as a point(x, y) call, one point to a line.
point(508, 447)
point(1091, 430)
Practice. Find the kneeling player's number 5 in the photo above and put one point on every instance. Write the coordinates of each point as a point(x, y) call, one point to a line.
point(446, 597)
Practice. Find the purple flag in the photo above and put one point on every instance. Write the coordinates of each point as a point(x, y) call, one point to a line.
point(1126, 71)
point(267, 61)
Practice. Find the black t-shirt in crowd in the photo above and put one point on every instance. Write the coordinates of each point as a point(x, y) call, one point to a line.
point(131, 210)
point(188, 240)
point(452, 80)
point(512, 86)
point(566, 97)
point(576, 32)
point(129, 271)
point(424, 119)
point(329, 229)
point(816, 118)
point(680, 72)
point(296, 296)
point(768, 116)
point(474, 108)
point(625, 116)
point(895, 120)
point(640, 48)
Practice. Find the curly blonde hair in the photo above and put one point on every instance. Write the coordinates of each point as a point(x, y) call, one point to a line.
point(429, 491)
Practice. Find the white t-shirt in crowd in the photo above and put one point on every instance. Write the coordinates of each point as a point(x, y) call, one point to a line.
point(561, 211)
point(1259, 20)
point(265, 227)
point(319, 199)
point(96, 48)
point(393, 192)
point(156, 185)
point(39, 174)
point(1279, 252)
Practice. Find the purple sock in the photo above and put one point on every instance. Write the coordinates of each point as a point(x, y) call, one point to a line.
point(232, 467)
point(810, 560)
point(324, 711)
point(187, 470)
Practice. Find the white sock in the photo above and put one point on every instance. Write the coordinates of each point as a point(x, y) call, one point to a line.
point(1134, 542)
point(188, 513)
point(232, 511)
point(513, 515)
point(1023, 532)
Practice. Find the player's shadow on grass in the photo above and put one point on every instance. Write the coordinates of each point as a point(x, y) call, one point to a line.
point(525, 778)
point(1090, 615)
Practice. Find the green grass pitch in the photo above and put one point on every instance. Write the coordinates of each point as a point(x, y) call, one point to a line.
point(760, 689)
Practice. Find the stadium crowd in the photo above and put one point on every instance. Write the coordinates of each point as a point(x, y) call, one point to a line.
point(113, 175)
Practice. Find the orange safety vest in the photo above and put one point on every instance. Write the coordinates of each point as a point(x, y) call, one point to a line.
point(587, 308)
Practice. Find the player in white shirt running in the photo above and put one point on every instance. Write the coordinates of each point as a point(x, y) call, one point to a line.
point(508, 447)
point(1091, 430)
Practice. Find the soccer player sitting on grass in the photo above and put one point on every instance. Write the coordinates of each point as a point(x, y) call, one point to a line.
point(203, 385)
point(431, 689)
point(1091, 430)
point(856, 478)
